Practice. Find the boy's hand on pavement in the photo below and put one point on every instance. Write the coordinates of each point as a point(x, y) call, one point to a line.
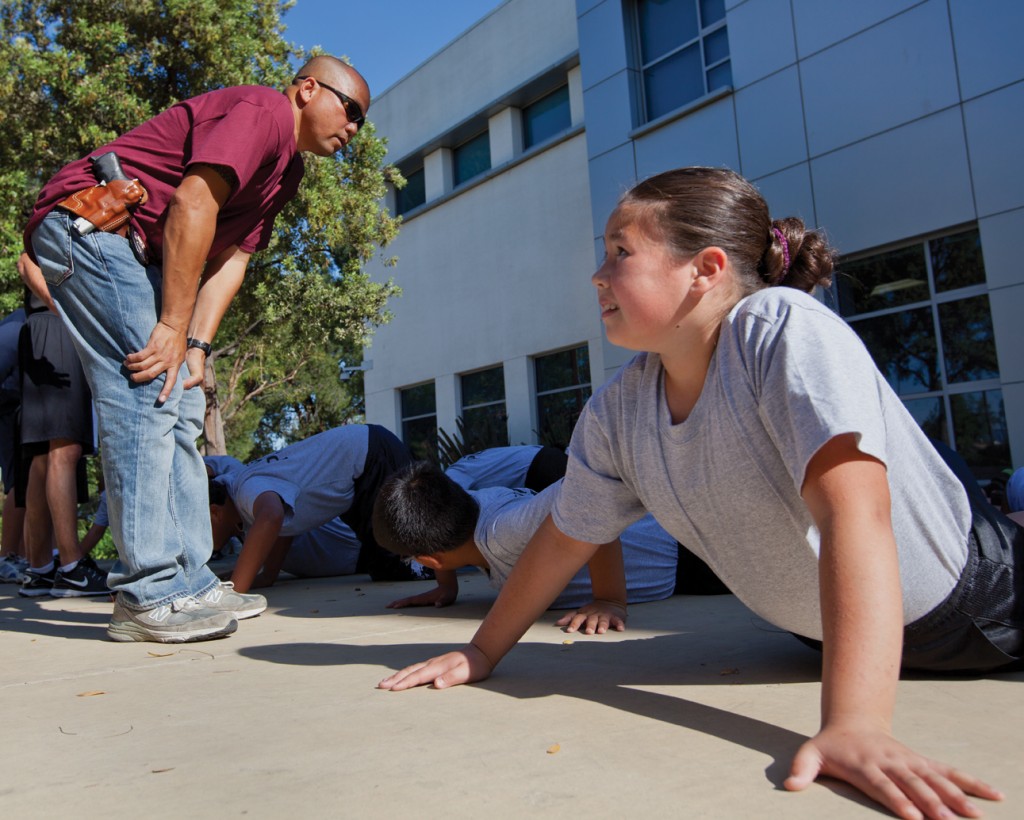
point(911, 786)
point(466, 665)
point(596, 617)
point(438, 596)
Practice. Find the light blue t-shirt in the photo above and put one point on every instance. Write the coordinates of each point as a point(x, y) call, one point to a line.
point(509, 518)
point(315, 478)
point(495, 467)
point(330, 549)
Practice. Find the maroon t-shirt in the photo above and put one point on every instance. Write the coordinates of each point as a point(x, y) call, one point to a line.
point(249, 129)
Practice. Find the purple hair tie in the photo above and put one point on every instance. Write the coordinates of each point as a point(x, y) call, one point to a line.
point(785, 252)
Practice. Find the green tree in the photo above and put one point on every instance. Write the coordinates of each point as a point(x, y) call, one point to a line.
point(75, 75)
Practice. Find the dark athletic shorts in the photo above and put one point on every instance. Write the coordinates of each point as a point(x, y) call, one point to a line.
point(980, 626)
point(385, 455)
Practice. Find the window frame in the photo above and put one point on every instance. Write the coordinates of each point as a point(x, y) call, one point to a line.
point(458, 181)
point(401, 211)
point(527, 144)
point(703, 32)
point(404, 419)
point(934, 301)
point(502, 402)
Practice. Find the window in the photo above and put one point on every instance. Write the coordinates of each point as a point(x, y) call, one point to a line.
point(484, 418)
point(472, 158)
point(563, 387)
point(547, 117)
point(923, 313)
point(684, 52)
point(419, 421)
point(413, 194)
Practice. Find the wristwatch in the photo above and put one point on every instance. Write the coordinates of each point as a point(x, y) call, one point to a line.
point(203, 346)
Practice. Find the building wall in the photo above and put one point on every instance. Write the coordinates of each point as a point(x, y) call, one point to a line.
point(880, 120)
point(497, 270)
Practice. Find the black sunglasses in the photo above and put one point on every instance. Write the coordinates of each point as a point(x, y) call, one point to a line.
point(353, 110)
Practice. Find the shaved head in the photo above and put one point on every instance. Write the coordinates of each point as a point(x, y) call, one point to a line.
point(334, 72)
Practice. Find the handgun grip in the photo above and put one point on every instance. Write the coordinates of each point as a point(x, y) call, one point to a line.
point(107, 167)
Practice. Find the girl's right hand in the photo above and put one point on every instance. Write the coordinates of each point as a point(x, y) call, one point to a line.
point(465, 665)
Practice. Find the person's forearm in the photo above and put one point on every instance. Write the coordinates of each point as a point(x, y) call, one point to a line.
point(217, 287)
point(91, 539)
point(447, 580)
point(549, 562)
point(862, 620)
point(188, 236)
point(608, 574)
point(275, 560)
point(259, 541)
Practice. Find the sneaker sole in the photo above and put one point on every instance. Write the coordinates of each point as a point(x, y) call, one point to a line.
point(33, 593)
point(249, 613)
point(78, 593)
point(129, 631)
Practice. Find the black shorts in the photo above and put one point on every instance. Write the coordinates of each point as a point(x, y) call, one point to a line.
point(980, 625)
point(385, 455)
point(547, 467)
point(55, 398)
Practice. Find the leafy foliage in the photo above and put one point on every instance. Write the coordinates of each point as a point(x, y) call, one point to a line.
point(75, 75)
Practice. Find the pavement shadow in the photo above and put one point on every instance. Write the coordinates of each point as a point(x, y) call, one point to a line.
point(607, 673)
point(28, 616)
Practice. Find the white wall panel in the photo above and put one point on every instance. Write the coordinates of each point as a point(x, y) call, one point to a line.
point(770, 121)
point(887, 76)
point(760, 40)
point(896, 185)
point(995, 133)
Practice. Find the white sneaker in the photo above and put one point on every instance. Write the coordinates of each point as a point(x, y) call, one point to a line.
point(240, 604)
point(180, 621)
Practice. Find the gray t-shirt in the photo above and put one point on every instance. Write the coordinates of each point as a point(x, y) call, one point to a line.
point(494, 467)
point(509, 518)
point(315, 478)
point(787, 376)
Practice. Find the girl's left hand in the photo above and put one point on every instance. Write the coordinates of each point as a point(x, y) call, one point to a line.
point(911, 786)
point(596, 617)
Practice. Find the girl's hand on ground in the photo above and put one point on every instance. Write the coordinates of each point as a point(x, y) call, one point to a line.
point(466, 665)
point(596, 617)
point(911, 786)
point(438, 596)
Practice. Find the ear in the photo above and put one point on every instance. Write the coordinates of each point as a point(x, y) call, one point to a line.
point(431, 561)
point(305, 91)
point(711, 265)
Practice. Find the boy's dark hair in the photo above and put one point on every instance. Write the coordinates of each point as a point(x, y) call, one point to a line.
point(421, 511)
point(218, 492)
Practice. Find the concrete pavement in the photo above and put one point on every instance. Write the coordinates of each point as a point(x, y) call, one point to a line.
point(695, 711)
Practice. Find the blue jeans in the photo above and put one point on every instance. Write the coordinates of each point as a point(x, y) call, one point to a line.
point(156, 482)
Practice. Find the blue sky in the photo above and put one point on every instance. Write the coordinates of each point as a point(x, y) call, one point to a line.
point(385, 39)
